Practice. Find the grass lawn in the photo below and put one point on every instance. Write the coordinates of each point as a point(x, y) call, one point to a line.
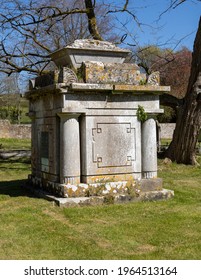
point(12, 144)
point(33, 228)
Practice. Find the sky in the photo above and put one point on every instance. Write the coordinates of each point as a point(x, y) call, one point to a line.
point(175, 28)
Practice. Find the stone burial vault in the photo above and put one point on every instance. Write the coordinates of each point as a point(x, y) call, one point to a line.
point(89, 139)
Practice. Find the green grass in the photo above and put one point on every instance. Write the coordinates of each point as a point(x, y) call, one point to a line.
point(165, 141)
point(13, 143)
point(24, 119)
point(24, 107)
point(33, 228)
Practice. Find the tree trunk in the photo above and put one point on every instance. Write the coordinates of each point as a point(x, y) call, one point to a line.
point(183, 145)
point(92, 24)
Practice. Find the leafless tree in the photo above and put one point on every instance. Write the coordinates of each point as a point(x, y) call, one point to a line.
point(31, 30)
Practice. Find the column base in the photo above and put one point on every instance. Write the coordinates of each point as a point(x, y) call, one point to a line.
point(149, 174)
point(74, 180)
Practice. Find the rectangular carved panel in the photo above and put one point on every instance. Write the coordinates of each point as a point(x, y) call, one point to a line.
point(113, 144)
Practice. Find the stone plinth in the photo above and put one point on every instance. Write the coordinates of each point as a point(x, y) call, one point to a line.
point(87, 139)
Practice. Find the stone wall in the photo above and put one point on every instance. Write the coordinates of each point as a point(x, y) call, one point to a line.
point(8, 130)
point(167, 130)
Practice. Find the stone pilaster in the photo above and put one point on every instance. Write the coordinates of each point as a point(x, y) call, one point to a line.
point(149, 149)
point(69, 149)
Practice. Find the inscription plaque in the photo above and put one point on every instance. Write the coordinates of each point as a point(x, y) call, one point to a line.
point(44, 151)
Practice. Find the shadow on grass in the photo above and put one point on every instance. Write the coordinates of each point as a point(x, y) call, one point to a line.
point(11, 186)
point(15, 188)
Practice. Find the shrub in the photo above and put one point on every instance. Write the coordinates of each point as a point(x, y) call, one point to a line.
point(169, 115)
point(11, 113)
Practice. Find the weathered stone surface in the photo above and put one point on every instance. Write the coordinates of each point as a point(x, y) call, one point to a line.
point(150, 185)
point(44, 80)
point(110, 138)
point(86, 137)
point(91, 87)
point(138, 89)
point(111, 146)
point(95, 45)
point(154, 79)
point(115, 73)
point(63, 75)
point(167, 130)
point(100, 200)
point(116, 199)
point(96, 189)
point(142, 88)
point(107, 103)
point(149, 149)
point(88, 50)
point(20, 131)
point(67, 76)
point(69, 149)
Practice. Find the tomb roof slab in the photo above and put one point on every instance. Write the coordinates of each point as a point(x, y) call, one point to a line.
point(120, 88)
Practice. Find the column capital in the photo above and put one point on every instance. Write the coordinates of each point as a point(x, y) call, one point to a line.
point(68, 115)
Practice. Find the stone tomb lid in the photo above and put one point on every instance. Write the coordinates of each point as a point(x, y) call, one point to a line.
point(114, 73)
point(88, 50)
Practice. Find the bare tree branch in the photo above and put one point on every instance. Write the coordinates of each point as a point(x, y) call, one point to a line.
point(92, 24)
point(173, 5)
point(126, 5)
point(125, 10)
point(32, 30)
point(18, 20)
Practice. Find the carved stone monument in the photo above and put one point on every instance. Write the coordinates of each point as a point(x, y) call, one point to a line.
point(87, 137)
